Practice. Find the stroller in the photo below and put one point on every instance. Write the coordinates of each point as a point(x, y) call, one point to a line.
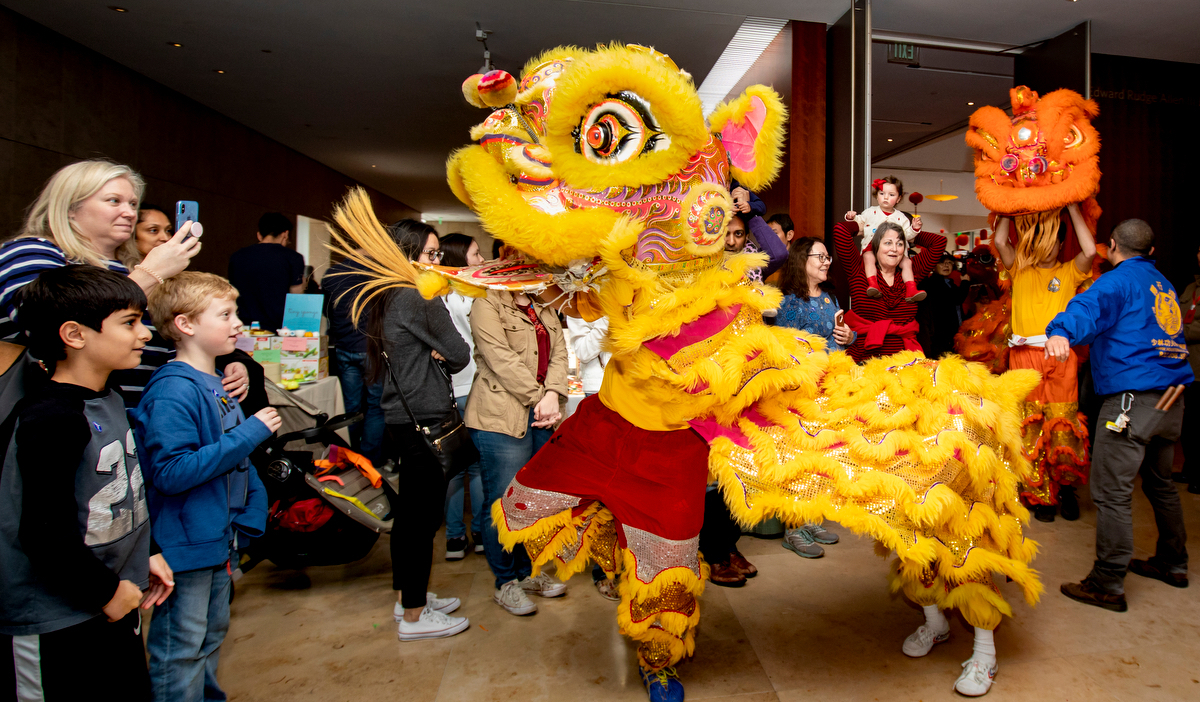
point(326, 506)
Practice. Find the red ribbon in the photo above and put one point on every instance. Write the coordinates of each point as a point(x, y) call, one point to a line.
point(878, 184)
point(873, 333)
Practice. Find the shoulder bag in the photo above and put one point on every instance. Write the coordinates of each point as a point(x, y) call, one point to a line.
point(447, 437)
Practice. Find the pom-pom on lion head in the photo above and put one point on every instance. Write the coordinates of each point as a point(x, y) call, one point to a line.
point(1043, 158)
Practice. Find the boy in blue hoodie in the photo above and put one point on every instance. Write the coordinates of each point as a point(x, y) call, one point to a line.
point(205, 498)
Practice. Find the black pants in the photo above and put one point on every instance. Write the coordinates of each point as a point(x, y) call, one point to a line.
point(417, 518)
point(92, 660)
point(720, 533)
point(1118, 459)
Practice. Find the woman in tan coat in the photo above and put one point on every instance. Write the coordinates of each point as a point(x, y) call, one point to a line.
point(518, 398)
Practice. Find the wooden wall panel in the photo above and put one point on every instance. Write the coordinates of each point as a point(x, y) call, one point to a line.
point(806, 138)
point(61, 102)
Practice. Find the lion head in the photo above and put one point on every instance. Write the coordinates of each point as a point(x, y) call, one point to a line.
point(591, 143)
point(1043, 158)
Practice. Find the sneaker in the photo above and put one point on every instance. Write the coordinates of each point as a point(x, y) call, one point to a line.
point(725, 575)
point(976, 678)
point(431, 625)
point(456, 549)
point(921, 642)
point(1068, 504)
point(608, 589)
point(477, 539)
point(662, 685)
point(800, 542)
point(1044, 513)
point(1088, 592)
point(741, 565)
point(544, 585)
point(820, 534)
point(1150, 569)
point(445, 605)
point(511, 597)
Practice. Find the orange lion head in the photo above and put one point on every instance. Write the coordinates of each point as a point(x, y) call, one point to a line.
point(1043, 158)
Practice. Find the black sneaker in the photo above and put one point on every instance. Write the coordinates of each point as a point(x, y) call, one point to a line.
point(456, 549)
point(1044, 513)
point(1068, 504)
point(477, 539)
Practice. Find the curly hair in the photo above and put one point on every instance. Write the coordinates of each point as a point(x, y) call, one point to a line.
point(889, 179)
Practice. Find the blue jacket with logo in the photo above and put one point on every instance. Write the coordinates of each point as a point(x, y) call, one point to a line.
point(1132, 321)
point(199, 484)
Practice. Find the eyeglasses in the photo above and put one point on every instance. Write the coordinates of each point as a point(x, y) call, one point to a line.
point(434, 254)
point(823, 258)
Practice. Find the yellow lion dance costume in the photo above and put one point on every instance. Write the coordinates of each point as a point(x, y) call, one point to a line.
point(1029, 167)
point(599, 167)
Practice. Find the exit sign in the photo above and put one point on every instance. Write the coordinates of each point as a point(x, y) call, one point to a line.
point(907, 54)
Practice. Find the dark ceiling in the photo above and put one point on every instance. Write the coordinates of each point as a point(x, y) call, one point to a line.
point(371, 87)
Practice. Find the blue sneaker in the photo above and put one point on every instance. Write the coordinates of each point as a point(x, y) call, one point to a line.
point(663, 685)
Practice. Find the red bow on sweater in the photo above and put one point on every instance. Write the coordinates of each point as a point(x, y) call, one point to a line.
point(873, 333)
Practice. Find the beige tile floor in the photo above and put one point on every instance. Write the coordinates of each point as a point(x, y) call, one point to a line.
point(802, 630)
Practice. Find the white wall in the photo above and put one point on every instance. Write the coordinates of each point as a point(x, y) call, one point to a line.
point(312, 241)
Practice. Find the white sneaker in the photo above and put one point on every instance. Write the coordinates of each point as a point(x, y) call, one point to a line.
point(432, 625)
point(544, 585)
point(922, 641)
point(512, 597)
point(976, 678)
point(445, 605)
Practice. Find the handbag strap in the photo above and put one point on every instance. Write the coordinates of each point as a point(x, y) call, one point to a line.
point(400, 391)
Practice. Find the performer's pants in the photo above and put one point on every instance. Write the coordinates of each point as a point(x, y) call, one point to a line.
point(628, 499)
point(1055, 434)
point(720, 533)
point(1119, 458)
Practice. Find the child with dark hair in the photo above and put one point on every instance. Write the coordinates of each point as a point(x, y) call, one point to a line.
point(74, 530)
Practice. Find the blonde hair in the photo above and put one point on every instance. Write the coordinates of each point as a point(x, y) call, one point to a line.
point(49, 216)
point(187, 294)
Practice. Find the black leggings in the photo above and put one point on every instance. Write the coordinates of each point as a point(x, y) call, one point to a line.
point(720, 533)
point(417, 516)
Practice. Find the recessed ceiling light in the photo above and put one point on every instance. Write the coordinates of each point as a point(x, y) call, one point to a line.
point(970, 103)
point(175, 44)
point(114, 8)
point(889, 139)
point(372, 165)
point(217, 70)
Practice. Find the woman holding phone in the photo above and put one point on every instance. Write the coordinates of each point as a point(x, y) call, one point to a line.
point(85, 213)
point(154, 228)
point(809, 306)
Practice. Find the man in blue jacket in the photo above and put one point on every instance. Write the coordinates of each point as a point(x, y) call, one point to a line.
point(1133, 323)
point(205, 498)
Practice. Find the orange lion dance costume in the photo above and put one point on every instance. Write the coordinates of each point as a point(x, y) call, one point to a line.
point(1029, 167)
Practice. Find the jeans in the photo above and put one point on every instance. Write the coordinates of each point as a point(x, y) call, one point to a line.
point(366, 437)
point(418, 515)
point(185, 637)
point(500, 457)
point(454, 496)
point(1116, 462)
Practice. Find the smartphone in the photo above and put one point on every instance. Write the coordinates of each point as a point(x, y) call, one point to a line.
point(186, 211)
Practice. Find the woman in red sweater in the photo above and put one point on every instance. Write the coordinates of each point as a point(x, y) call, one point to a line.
point(885, 324)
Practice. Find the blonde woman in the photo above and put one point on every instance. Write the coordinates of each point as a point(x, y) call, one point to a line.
point(84, 214)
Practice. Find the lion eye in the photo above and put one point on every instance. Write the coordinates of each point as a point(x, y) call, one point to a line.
point(1073, 138)
point(617, 129)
